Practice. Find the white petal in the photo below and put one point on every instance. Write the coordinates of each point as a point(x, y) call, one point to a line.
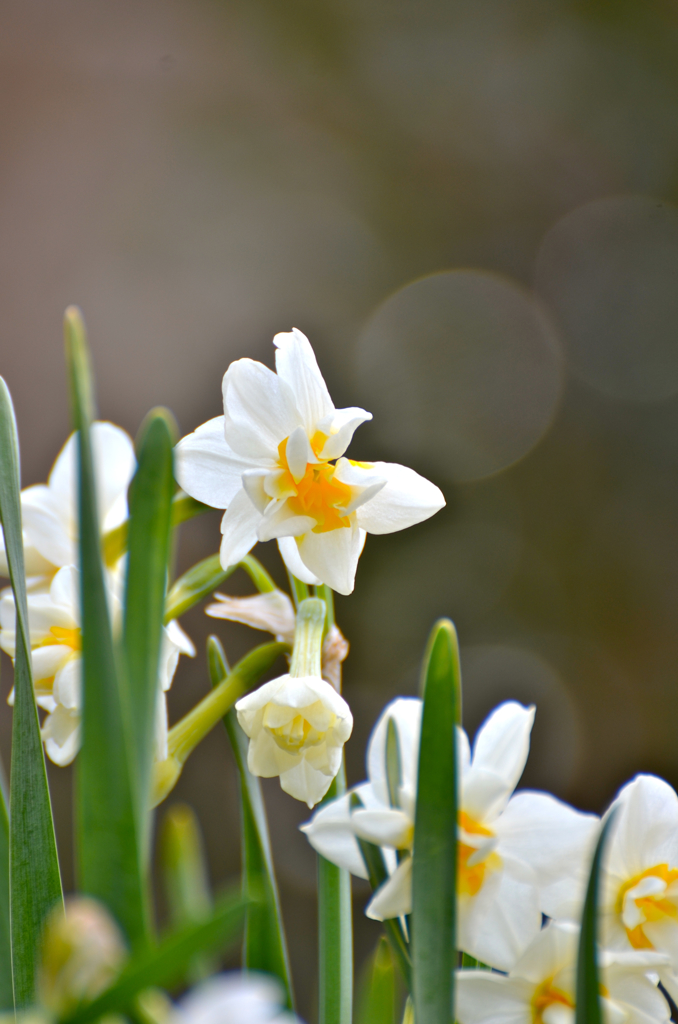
point(207, 468)
point(239, 529)
point(503, 742)
point(363, 482)
point(645, 830)
point(298, 453)
point(341, 427)
point(259, 410)
point(330, 833)
point(553, 949)
point(406, 713)
point(289, 552)
point(406, 499)
point(394, 897)
point(67, 688)
point(272, 612)
point(385, 827)
point(486, 998)
point(553, 838)
point(484, 794)
point(333, 556)
point(234, 998)
point(296, 364)
point(497, 925)
point(179, 638)
point(65, 590)
point(47, 661)
point(47, 530)
point(61, 734)
point(281, 521)
point(265, 758)
point(306, 783)
point(253, 484)
point(115, 465)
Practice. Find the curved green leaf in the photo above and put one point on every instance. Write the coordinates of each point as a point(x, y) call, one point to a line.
point(434, 868)
point(108, 844)
point(35, 882)
point(150, 500)
point(264, 945)
point(589, 1010)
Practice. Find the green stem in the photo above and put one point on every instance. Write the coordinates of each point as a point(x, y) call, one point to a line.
point(335, 936)
point(299, 590)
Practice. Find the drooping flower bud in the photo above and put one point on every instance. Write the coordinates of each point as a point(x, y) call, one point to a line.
point(82, 953)
point(298, 723)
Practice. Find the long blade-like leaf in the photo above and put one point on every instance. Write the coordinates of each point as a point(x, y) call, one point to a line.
point(108, 851)
point(148, 551)
point(265, 946)
point(35, 883)
point(589, 1010)
point(166, 963)
point(6, 988)
point(434, 869)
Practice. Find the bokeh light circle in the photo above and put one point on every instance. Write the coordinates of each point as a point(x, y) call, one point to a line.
point(462, 371)
point(609, 272)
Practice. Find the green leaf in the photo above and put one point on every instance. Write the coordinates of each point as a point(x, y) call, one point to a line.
point(34, 882)
point(589, 1010)
point(335, 933)
point(265, 945)
point(377, 873)
point(378, 995)
point(108, 847)
point(6, 993)
point(194, 585)
point(150, 499)
point(166, 963)
point(434, 869)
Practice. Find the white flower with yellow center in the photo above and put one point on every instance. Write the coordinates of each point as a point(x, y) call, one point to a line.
point(49, 511)
point(298, 724)
point(510, 847)
point(274, 462)
point(56, 646)
point(639, 879)
point(541, 987)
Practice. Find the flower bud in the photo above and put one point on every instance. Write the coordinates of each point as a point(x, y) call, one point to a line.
point(298, 723)
point(82, 953)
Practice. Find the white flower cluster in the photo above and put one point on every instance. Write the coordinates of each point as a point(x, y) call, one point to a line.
point(49, 514)
point(521, 856)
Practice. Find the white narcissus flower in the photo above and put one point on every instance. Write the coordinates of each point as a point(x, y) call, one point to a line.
point(297, 729)
point(275, 462)
point(541, 988)
point(235, 998)
point(511, 848)
point(56, 645)
point(49, 511)
point(639, 876)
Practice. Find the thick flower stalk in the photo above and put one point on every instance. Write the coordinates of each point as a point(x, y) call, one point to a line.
point(235, 998)
point(511, 848)
point(541, 987)
point(49, 511)
point(298, 724)
point(639, 880)
point(275, 462)
point(273, 612)
point(56, 645)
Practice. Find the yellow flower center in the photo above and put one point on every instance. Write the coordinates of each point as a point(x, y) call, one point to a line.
point(318, 494)
point(295, 734)
point(652, 907)
point(470, 877)
point(63, 635)
point(546, 995)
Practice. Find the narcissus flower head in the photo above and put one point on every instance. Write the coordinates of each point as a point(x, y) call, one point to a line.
point(298, 724)
point(510, 846)
point(541, 987)
point(49, 511)
point(275, 462)
point(235, 998)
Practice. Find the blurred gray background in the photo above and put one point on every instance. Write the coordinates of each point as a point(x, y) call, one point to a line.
point(467, 206)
